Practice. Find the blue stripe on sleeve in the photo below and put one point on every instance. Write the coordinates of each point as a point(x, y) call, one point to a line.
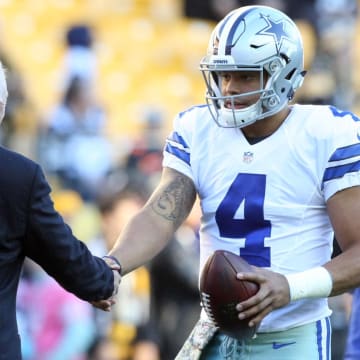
point(346, 152)
point(179, 153)
point(339, 113)
point(178, 139)
point(339, 171)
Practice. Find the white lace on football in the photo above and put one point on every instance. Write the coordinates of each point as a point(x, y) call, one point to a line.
point(206, 303)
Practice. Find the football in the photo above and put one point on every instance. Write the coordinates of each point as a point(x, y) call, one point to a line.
point(221, 291)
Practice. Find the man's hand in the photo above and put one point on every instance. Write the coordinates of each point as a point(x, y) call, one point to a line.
point(273, 293)
point(106, 304)
point(114, 264)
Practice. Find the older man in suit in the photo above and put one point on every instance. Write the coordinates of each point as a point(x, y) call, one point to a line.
point(30, 227)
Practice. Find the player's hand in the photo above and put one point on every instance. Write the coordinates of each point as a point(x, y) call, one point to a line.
point(273, 293)
point(106, 304)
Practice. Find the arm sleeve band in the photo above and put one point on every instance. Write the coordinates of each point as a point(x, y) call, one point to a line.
point(312, 283)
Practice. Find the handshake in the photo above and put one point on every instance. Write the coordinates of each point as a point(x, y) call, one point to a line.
point(113, 264)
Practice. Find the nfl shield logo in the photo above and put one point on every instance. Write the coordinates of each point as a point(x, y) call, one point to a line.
point(248, 157)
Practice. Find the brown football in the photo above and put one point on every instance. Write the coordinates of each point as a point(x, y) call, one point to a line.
point(221, 291)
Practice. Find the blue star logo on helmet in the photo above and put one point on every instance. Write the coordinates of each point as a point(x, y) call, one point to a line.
point(276, 29)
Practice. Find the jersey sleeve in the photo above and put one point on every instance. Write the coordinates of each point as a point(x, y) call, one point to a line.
point(177, 149)
point(343, 167)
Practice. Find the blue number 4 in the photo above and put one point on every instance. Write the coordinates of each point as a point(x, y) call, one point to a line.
point(248, 189)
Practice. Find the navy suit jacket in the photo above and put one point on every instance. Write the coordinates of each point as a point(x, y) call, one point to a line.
point(30, 227)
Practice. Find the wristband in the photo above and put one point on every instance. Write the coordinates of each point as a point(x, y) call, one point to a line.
point(312, 283)
point(113, 258)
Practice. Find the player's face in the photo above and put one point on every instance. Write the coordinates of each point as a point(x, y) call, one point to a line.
point(240, 82)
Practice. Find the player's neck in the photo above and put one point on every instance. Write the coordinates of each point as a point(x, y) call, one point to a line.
point(264, 128)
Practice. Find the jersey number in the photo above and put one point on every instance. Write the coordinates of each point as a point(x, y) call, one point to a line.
point(247, 190)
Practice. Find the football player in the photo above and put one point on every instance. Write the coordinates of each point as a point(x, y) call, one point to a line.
point(275, 181)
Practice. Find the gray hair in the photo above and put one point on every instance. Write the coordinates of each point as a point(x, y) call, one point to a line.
point(3, 91)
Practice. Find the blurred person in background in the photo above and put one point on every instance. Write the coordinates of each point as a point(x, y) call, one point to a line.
point(31, 227)
point(336, 26)
point(175, 299)
point(145, 155)
point(79, 60)
point(174, 286)
point(72, 144)
point(129, 321)
point(56, 324)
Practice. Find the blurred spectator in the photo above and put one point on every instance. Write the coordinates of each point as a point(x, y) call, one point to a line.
point(72, 145)
point(336, 23)
point(51, 320)
point(145, 157)
point(80, 59)
point(128, 323)
point(54, 324)
point(174, 279)
point(175, 300)
point(302, 11)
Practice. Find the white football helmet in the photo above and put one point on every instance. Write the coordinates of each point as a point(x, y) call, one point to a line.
point(254, 38)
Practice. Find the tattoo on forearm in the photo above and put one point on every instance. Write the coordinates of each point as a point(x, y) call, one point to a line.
point(175, 201)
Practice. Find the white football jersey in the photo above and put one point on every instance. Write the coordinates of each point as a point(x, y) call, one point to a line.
point(267, 201)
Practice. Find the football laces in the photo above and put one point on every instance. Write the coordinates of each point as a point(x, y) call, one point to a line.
point(205, 300)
